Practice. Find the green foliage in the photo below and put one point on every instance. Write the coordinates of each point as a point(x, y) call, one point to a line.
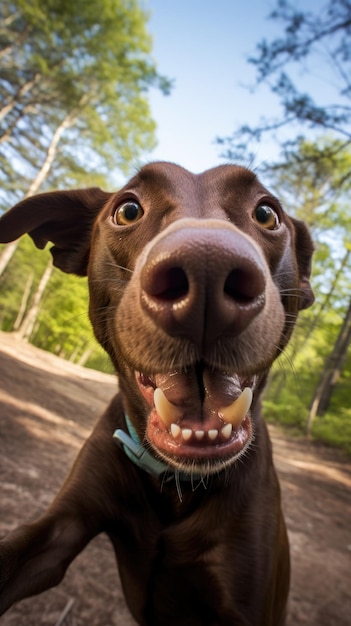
point(27, 262)
point(290, 395)
point(87, 65)
point(294, 379)
point(334, 427)
point(308, 183)
point(62, 326)
point(312, 181)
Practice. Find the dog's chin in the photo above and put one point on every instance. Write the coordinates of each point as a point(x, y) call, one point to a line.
point(199, 420)
point(195, 457)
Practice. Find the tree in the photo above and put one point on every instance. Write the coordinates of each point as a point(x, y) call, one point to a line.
point(37, 182)
point(323, 34)
point(308, 185)
point(313, 183)
point(73, 80)
point(86, 62)
point(331, 372)
point(25, 329)
point(54, 314)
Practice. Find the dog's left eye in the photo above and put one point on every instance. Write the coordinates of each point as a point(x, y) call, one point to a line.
point(128, 213)
point(266, 217)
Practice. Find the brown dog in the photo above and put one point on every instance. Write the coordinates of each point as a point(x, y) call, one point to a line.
point(195, 285)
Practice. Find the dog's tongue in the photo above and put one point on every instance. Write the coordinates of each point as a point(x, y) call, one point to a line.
point(193, 387)
point(198, 395)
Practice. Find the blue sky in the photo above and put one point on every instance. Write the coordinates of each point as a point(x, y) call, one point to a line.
point(203, 45)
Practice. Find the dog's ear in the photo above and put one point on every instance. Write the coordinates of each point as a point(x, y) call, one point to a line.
point(65, 218)
point(304, 251)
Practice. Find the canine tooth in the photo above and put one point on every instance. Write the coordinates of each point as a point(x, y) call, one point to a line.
point(235, 412)
point(227, 430)
point(175, 430)
point(186, 433)
point(212, 434)
point(165, 409)
point(199, 434)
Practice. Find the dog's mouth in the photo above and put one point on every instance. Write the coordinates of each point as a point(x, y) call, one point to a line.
point(199, 419)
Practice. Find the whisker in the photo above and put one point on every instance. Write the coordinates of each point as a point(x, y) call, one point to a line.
point(121, 267)
point(177, 482)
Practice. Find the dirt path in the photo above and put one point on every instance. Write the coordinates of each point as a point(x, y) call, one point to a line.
point(47, 409)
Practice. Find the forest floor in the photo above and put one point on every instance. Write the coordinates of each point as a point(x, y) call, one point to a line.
point(47, 409)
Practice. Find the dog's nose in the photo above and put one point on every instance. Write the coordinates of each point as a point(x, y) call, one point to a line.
point(202, 283)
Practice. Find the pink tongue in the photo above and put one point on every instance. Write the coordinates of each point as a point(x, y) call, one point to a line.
point(203, 395)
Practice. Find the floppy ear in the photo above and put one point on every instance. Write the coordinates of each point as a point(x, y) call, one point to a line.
point(65, 218)
point(304, 251)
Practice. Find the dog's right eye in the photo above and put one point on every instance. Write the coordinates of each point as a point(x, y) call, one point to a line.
point(127, 213)
point(266, 217)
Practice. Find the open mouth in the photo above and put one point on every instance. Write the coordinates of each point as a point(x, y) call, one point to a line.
point(199, 418)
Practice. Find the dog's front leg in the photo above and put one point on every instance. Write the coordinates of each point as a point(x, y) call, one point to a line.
point(35, 556)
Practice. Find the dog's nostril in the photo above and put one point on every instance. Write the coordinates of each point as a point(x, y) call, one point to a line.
point(243, 285)
point(171, 284)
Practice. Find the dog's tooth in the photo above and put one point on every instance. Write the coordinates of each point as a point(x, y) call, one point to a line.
point(186, 433)
point(227, 430)
point(175, 430)
point(212, 434)
point(165, 409)
point(235, 412)
point(199, 434)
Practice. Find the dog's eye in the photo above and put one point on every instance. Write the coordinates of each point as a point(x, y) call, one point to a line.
point(266, 217)
point(128, 213)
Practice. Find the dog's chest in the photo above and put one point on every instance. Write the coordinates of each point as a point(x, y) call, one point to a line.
point(183, 569)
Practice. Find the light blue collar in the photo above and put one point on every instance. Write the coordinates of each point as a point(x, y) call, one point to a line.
point(136, 452)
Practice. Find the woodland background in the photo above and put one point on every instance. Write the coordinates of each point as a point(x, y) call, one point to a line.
point(74, 80)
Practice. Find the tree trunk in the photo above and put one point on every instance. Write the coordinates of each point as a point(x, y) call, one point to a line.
point(74, 355)
point(7, 255)
point(18, 96)
point(276, 379)
point(85, 356)
point(50, 155)
point(331, 371)
point(24, 302)
point(30, 318)
point(39, 179)
point(11, 127)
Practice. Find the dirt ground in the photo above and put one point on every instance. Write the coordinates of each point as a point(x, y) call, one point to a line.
point(47, 409)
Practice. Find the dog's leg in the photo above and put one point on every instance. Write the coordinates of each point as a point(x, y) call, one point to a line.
point(35, 557)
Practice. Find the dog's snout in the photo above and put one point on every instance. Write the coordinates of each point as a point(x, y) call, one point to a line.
point(202, 283)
